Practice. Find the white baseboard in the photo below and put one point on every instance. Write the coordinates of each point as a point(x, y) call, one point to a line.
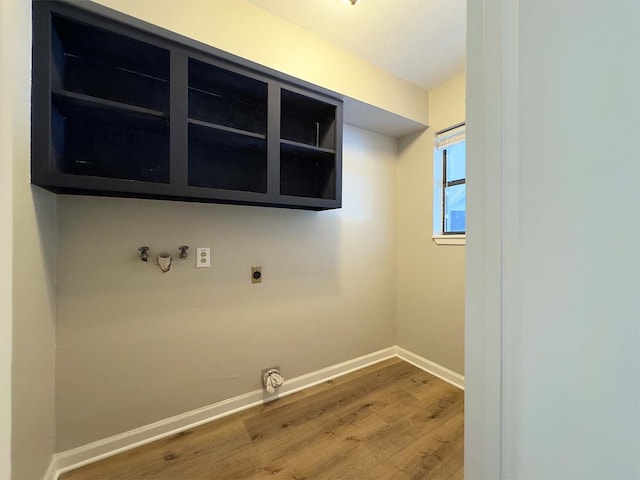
point(71, 459)
point(52, 472)
point(433, 368)
point(92, 452)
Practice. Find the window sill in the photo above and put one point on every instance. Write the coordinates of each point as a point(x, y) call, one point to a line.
point(450, 239)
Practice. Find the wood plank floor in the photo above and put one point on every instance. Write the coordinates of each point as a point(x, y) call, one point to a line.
point(387, 421)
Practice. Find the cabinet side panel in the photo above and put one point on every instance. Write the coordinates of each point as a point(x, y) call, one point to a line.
point(40, 94)
point(178, 118)
point(273, 140)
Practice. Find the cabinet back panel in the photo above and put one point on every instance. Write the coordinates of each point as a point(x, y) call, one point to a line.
point(228, 111)
point(310, 175)
point(111, 48)
point(227, 169)
point(86, 145)
point(308, 131)
point(307, 120)
point(217, 80)
point(226, 160)
point(89, 77)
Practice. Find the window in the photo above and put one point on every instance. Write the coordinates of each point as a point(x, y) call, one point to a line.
point(449, 216)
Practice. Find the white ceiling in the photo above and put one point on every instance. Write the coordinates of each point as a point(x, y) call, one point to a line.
point(422, 41)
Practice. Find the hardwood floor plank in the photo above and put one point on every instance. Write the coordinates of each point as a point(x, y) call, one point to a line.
point(387, 421)
point(438, 434)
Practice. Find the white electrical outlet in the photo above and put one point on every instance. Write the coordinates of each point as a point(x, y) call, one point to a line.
point(203, 257)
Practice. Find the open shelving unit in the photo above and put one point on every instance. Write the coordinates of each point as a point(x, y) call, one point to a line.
point(127, 109)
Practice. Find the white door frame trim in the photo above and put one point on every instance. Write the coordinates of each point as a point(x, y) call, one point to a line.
point(492, 228)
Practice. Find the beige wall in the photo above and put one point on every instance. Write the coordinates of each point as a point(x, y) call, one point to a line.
point(430, 277)
point(136, 345)
point(6, 240)
point(243, 29)
point(33, 254)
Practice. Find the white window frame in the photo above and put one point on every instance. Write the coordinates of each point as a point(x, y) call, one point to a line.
point(442, 139)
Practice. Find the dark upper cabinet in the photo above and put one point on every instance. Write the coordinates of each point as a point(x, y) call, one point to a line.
point(123, 108)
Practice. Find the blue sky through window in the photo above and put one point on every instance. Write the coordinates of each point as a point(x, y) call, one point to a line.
point(455, 196)
point(456, 165)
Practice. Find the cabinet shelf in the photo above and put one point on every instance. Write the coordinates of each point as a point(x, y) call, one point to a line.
point(71, 100)
point(223, 128)
point(304, 147)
